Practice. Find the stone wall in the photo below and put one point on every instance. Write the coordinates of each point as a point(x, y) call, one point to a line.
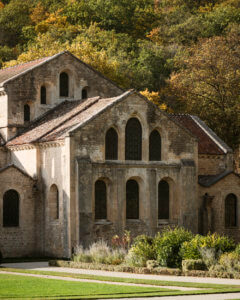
point(19, 241)
point(178, 167)
point(52, 171)
point(26, 88)
point(214, 164)
point(219, 191)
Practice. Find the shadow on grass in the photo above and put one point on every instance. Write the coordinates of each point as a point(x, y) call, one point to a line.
point(96, 296)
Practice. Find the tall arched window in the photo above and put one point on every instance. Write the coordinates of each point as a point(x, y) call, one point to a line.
point(111, 144)
point(163, 200)
point(54, 202)
point(84, 93)
point(43, 95)
point(100, 200)
point(132, 199)
point(155, 146)
point(11, 209)
point(133, 140)
point(231, 211)
point(64, 85)
point(26, 113)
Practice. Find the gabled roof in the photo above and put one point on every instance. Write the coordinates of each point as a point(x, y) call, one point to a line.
point(208, 180)
point(58, 122)
point(208, 141)
point(18, 70)
point(12, 72)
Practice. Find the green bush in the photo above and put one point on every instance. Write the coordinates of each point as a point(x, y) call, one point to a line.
point(167, 245)
point(209, 247)
point(237, 249)
point(190, 249)
point(141, 251)
point(193, 264)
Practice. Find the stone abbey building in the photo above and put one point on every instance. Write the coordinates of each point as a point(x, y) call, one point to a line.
point(82, 159)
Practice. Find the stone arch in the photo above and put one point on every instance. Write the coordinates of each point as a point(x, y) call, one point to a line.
point(85, 92)
point(171, 202)
point(132, 199)
point(53, 201)
point(64, 84)
point(11, 206)
point(155, 146)
point(231, 210)
point(100, 199)
point(111, 144)
point(43, 94)
point(27, 113)
point(133, 139)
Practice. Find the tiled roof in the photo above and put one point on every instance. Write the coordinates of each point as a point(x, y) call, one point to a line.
point(208, 180)
point(208, 141)
point(9, 73)
point(59, 121)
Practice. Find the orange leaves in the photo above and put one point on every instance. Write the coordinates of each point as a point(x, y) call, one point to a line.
point(1, 5)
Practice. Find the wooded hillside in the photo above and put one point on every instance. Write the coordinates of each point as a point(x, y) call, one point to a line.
point(184, 55)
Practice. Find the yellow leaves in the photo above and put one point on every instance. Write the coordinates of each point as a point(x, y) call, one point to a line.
point(39, 13)
point(155, 98)
point(52, 20)
point(1, 5)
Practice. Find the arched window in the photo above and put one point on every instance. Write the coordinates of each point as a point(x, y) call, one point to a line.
point(54, 202)
point(111, 144)
point(100, 200)
point(84, 93)
point(11, 209)
point(132, 199)
point(26, 113)
point(64, 85)
point(155, 146)
point(133, 140)
point(231, 211)
point(163, 200)
point(43, 95)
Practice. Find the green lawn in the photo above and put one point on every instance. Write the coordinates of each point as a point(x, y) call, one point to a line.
point(15, 286)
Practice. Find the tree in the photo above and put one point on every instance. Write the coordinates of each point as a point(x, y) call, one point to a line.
point(208, 84)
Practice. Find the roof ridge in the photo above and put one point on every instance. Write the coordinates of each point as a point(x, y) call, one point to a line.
point(24, 63)
point(95, 100)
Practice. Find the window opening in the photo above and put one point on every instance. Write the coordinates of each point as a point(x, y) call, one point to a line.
point(64, 85)
point(133, 140)
point(132, 200)
point(11, 209)
point(100, 200)
point(163, 200)
point(155, 146)
point(111, 144)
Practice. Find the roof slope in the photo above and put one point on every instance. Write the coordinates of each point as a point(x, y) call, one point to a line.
point(208, 141)
point(59, 121)
point(208, 180)
point(8, 73)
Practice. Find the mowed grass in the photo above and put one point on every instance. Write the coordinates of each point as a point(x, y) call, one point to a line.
point(17, 286)
point(20, 287)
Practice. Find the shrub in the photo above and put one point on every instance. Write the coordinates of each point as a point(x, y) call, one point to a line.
point(81, 255)
point(230, 261)
point(99, 252)
point(209, 248)
point(167, 246)
point(141, 251)
point(237, 249)
point(151, 264)
point(116, 256)
point(193, 264)
point(190, 249)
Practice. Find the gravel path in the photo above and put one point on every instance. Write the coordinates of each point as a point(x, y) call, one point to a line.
point(43, 266)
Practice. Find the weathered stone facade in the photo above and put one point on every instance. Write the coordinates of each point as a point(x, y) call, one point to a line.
point(55, 160)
